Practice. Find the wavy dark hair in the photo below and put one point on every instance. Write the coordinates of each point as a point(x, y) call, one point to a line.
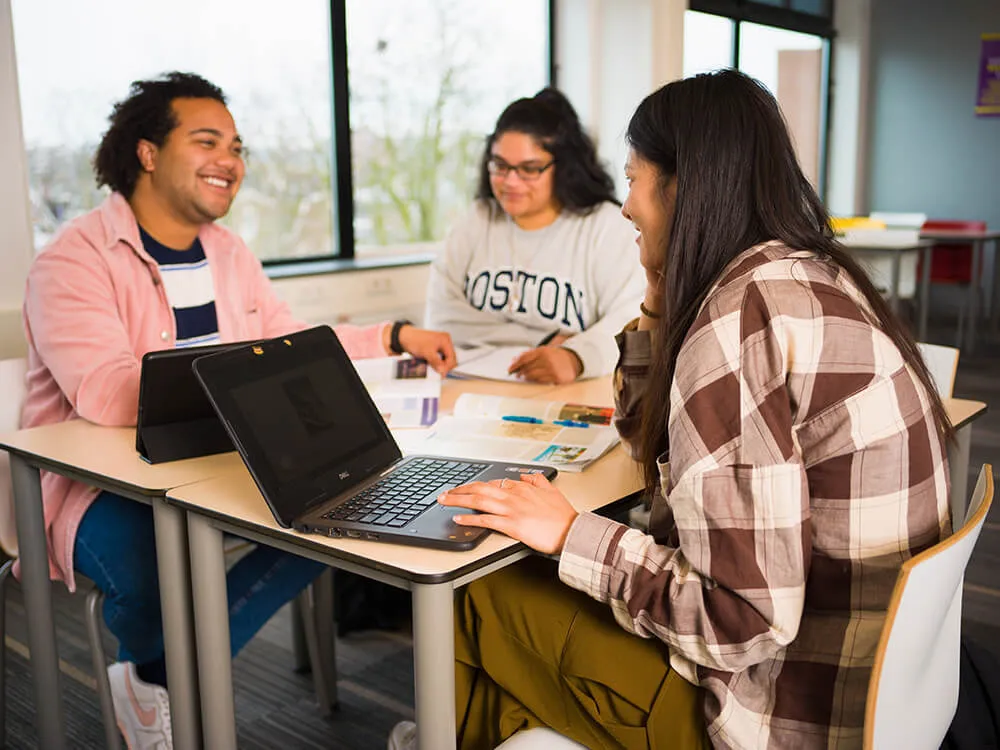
point(739, 184)
point(147, 114)
point(581, 182)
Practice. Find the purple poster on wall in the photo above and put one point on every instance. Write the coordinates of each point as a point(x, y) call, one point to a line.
point(988, 96)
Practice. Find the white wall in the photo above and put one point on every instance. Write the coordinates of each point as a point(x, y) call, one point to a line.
point(612, 53)
point(848, 162)
point(15, 220)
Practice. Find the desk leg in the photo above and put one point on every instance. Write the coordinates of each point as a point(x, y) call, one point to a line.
point(38, 604)
point(894, 289)
point(925, 291)
point(178, 635)
point(434, 665)
point(995, 288)
point(211, 623)
point(958, 463)
point(974, 288)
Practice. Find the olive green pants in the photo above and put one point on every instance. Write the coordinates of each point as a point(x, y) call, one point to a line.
point(530, 651)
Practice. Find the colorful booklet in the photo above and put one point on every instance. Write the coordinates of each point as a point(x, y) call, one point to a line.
point(406, 391)
point(555, 433)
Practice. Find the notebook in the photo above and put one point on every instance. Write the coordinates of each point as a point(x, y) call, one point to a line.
point(320, 452)
point(176, 419)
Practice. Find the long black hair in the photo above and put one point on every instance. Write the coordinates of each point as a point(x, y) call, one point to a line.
point(147, 114)
point(738, 184)
point(581, 181)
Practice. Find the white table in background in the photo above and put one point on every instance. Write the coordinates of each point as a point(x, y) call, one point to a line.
point(896, 251)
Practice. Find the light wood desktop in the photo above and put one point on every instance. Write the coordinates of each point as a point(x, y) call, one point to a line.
point(105, 457)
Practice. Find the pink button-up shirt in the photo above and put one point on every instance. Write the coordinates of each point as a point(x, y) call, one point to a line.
point(95, 304)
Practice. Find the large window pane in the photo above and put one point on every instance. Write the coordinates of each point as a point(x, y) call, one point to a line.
point(428, 79)
point(272, 59)
point(791, 65)
point(708, 42)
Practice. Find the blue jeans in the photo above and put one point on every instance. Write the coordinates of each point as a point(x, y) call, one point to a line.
point(116, 549)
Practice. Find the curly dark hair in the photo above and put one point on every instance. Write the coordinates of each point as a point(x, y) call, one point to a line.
point(581, 181)
point(147, 114)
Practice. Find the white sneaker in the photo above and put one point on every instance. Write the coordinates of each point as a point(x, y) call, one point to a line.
point(141, 708)
point(403, 736)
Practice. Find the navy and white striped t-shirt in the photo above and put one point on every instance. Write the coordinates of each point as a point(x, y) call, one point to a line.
point(187, 280)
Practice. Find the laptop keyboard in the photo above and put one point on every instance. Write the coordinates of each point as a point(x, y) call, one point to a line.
point(406, 492)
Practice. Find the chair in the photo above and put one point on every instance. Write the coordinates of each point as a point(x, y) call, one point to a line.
point(951, 262)
point(913, 690)
point(942, 362)
point(12, 391)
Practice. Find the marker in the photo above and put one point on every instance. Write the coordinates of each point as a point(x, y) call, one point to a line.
point(527, 420)
point(570, 423)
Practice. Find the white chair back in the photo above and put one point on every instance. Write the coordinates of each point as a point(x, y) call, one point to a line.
point(913, 692)
point(539, 738)
point(12, 392)
point(942, 361)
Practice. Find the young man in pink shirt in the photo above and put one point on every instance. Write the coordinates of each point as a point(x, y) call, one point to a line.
point(150, 269)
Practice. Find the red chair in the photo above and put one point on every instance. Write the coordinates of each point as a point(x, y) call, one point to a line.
point(951, 261)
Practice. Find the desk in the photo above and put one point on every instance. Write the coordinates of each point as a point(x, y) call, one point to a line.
point(978, 241)
point(105, 457)
point(962, 414)
point(896, 250)
point(232, 503)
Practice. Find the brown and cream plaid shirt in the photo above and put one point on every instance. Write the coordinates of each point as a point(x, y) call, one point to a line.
point(804, 468)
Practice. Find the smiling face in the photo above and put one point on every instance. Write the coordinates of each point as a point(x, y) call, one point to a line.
point(650, 207)
point(529, 202)
point(194, 176)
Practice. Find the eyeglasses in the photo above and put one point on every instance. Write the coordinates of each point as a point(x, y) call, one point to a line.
point(527, 172)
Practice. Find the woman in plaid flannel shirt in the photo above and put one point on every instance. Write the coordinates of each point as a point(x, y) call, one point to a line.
point(794, 443)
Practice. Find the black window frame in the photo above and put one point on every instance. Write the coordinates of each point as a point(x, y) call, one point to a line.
point(342, 160)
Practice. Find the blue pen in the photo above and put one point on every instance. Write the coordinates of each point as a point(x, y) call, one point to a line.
point(528, 420)
point(570, 423)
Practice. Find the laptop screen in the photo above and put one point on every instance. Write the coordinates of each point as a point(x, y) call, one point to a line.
point(300, 417)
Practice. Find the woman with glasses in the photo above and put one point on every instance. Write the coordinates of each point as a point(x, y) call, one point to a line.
point(544, 259)
point(796, 446)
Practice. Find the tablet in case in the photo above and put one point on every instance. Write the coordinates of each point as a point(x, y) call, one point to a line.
point(176, 419)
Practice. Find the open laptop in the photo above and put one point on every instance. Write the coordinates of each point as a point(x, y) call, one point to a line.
point(176, 420)
point(320, 452)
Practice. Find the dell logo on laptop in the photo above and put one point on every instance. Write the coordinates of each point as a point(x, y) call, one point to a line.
point(345, 474)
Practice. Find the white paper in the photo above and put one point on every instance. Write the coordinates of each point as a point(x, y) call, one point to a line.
point(492, 365)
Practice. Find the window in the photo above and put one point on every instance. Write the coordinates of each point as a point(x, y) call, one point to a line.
point(708, 42)
point(789, 54)
point(427, 80)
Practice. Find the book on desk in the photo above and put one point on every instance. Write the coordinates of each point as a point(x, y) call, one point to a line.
point(555, 433)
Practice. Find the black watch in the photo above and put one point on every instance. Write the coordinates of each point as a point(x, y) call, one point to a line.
point(394, 346)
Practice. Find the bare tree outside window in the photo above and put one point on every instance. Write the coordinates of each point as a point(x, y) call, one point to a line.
point(427, 81)
point(427, 78)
